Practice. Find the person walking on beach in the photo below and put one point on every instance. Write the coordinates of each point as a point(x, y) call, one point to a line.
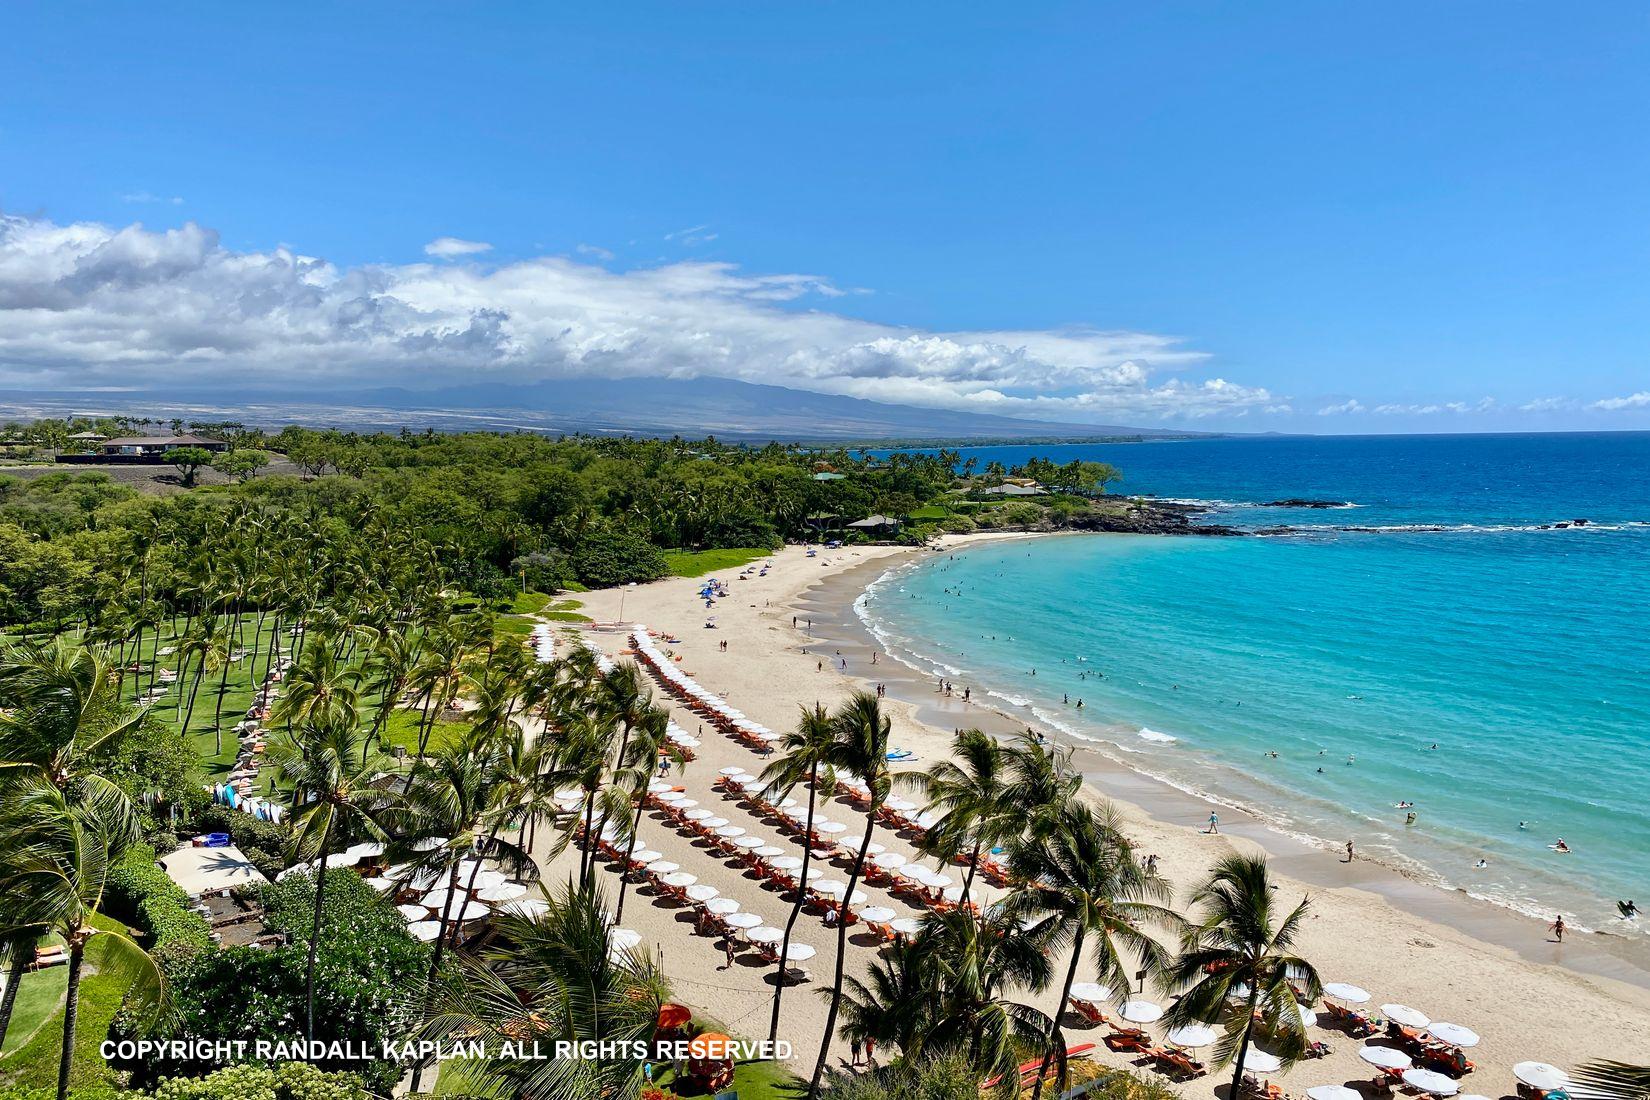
point(1214, 822)
point(1558, 928)
point(1349, 851)
point(853, 1054)
point(727, 950)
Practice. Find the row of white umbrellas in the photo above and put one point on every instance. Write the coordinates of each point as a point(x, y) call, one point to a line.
point(686, 685)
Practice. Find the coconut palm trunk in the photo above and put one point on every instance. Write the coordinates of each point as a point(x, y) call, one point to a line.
point(629, 849)
point(315, 936)
point(21, 949)
point(1243, 1047)
point(1059, 1012)
point(796, 907)
point(71, 1011)
point(841, 957)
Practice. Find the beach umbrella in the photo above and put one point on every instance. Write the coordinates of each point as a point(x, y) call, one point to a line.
point(413, 913)
point(1308, 1017)
point(645, 856)
point(1140, 1012)
point(437, 899)
point(658, 786)
point(1405, 1015)
point(1091, 992)
point(721, 907)
point(1192, 1035)
point(906, 926)
point(1262, 1062)
point(679, 880)
point(749, 843)
point(741, 920)
point(1540, 1075)
point(787, 863)
point(799, 952)
point(764, 935)
point(877, 914)
point(486, 880)
point(662, 867)
point(1430, 1080)
point(1453, 1034)
point(471, 910)
point(429, 843)
point(698, 815)
point(505, 891)
point(1333, 1092)
point(425, 930)
point(732, 771)
point(1384, 1057)
point(1345, 991)
point(935, 880)
point(701, 891)
point(875, 849)
point(827, 886)
point(888, 860)
point(684, 803)
point(343, 859)
point(367, 850)
point(383, 884)
point(769, 851)
point(830, 828)
point(714, 822)
point(730, 831)
point(527, 907)
point(901, 805)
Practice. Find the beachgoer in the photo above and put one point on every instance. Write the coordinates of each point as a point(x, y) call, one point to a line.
point(1409, 818)
point(1151, 864)
point(1079, 704)
point(1066, 699)
point(871, 1051)
point(1558, 928)
point(1349, 851)
point(853, 1053)
point(1560, 846)
point(727, 950)
point(1629, 909)
point(1481, 864)
point(1214, 822)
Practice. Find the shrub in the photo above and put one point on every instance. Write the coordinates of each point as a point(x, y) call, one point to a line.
point(139, 893)
point(616, 556)
point(250, 1081)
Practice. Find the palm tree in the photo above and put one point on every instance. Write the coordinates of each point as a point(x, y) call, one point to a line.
point(57, 870)
point(320, 689)
point(859, 746)
point(896, 1002)
point(552, 979)
point(335, 785)
point(1615, 1080)
point(60, 713)
point(19, 935)
point(1236, 965)
point(646, 743)
point(968, 796)
point(804, 762)
point(1086, 888)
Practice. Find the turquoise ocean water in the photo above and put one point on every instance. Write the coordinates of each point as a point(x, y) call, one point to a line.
point(1451, 619)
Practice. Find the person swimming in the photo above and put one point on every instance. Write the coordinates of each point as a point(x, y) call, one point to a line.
point(1481, 864)
point(1559, 846)
point(1629, 909)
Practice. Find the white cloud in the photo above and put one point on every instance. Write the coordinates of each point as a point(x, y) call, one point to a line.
point(1548, 404)
point(1640, 400)
point(146, 197)
point(593, 250)
point(86, 305)
point(1353, 405)
point(446, 248)
point(692, 235)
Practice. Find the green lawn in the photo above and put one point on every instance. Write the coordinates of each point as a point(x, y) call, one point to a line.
point(39, 998)
point(35, 1062)
point(402, 729)
point(697, 563)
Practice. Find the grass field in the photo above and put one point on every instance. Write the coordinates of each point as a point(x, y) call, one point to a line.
point(697, 563)
point(34, 1063)
point(39, 998)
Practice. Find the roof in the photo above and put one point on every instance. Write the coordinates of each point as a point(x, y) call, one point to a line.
point(86, 435)
point(1017, 491)
point(827, 475)
point(876, 521)
point(158, 440)
point(203, 870)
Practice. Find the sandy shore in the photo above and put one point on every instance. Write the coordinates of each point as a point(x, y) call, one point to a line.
point(1452, 958)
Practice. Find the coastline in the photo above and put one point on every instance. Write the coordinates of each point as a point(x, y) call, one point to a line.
point(839, 622)
point(1448, 955)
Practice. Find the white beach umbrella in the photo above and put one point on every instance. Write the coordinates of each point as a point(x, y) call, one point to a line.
point(1384, 1057)
point(383, 884)
point(623, 938)
point(504, 891)
point(1333, 1092)
point(769, 851)
point(1345, 991)
point(714, 822)
point(830, 886)
point(429, 843)
point(486, 880)
point(1192, 1035)
point(906, 926)
point(764, 934)
point(1140, 1012)
point(888, 860)
point(368, 850)
point(1262, 1062)
point(935, 880)
point(437, 899)
point(1430, 1080)
point(679, 880)
point(901, 805)
point(1308, 1017)
point(1405, 1015)
point(413, 913)
point(645, 856)
point(526, 907)
point(685, 803)
point(1090, 992)
point(698, 815)
point(657, 786)
point(721, 907)
point(662, 867)
point(1540, 1075)
point(786, 863)
point(749, 843)
point(470, 910)
point(799, 952)
point(342, 859)
point(732, 771)
point(1453, 1034)
point(741, 920)
point(425, 931)
point(877, 914)
point(730, 831)
point(875, 849)
point(830, 828)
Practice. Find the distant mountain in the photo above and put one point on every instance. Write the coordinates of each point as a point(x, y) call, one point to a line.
point(639, 406)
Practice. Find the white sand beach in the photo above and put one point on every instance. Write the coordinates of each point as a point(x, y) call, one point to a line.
point(1532, 1004)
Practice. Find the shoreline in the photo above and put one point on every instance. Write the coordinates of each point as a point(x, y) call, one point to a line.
point(832, 603)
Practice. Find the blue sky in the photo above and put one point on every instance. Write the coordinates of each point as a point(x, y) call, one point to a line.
point(1219, 215)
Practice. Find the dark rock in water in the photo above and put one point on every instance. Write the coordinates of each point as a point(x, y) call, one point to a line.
point(1303, 502)
point(1151, 518)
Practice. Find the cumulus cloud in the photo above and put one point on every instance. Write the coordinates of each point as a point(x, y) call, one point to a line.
point(595, 250)
point(1352, 405)
point(1483, 404)
point(446, 248)
point(1640, 400)
point(695, 234)
point(86, 305)
point(147, 197)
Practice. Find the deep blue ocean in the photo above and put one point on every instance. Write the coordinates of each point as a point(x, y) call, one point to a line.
point(1453, 620)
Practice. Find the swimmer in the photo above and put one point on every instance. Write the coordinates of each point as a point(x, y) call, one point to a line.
point(1271, 754)
point(1351, 760)
point(1523, 824)
point(1559, 846)
point(1481, 864)
point(1629, 910)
